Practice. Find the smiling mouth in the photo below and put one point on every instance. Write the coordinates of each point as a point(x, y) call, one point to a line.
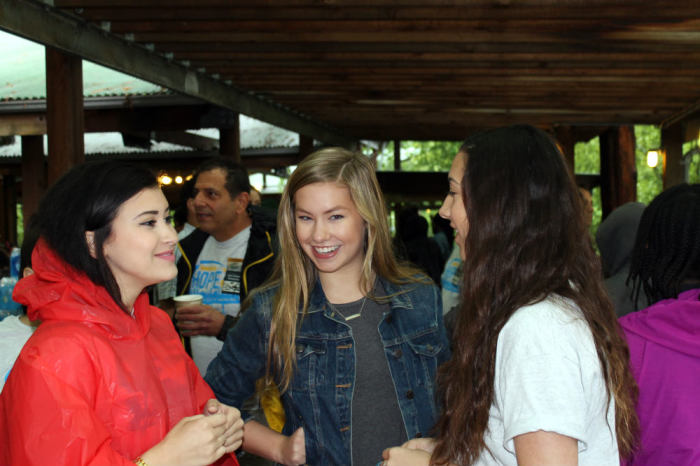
point(167, 256)
point(325, 250)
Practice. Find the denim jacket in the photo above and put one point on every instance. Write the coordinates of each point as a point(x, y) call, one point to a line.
point(320, 394)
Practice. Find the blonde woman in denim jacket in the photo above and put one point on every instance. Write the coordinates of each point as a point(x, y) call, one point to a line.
point(351, 338)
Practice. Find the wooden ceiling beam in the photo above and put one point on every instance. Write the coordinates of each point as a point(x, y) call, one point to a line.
point(263, 43)
point(97, 11)
point(568, 26)
point(639, 41)
point(222, 51)
point(389, 7)
point(239, 67)
point(49, 26)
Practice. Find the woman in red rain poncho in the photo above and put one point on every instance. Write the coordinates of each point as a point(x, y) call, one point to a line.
point(104, 380)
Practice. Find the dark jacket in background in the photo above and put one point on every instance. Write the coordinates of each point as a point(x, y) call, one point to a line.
point(615, 238)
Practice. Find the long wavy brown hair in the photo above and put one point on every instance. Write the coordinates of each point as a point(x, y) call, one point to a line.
point(526, 241)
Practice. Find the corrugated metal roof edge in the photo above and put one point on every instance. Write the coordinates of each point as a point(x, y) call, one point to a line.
point(258, 152)
point(103, 102)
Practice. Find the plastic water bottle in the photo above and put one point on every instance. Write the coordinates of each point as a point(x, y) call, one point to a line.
point(14, 263)
point(7, 284)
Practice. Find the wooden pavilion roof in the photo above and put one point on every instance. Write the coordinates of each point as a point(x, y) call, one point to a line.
point(340, 70)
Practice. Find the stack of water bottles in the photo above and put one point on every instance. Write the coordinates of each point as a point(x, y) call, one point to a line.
point(7, 284)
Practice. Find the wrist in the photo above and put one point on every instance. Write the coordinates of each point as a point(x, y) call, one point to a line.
point(227, 324)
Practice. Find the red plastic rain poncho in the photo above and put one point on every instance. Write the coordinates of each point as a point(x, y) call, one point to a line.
point(93, 385)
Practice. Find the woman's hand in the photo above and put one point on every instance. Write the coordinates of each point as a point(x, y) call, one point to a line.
point(194, 441)
point(294, 449)
point(262, 441)
point(425, 444)
point(401, 456)
point(234, 423)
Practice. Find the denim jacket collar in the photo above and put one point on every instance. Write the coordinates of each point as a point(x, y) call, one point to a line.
point(399, 298)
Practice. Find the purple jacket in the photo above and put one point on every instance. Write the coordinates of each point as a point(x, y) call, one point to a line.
point(664, 341)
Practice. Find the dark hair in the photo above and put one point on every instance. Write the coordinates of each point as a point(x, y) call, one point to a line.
point(186, 192)
point(87, 198)
point(526, 241)
point(667, 249)
point(236, 175)
point(31, 236)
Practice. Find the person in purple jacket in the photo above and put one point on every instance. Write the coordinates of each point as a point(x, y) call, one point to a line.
point(664, 338)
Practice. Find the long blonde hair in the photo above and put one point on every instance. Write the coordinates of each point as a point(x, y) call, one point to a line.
point(295, 273)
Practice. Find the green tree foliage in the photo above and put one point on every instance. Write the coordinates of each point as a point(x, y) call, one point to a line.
point(649, 180)
point(692, 151)
point(425, 156)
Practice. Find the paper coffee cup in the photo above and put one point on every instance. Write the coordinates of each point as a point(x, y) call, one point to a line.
point(187, 300)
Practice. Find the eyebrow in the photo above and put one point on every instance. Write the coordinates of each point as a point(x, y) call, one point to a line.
point(452, 180)
point(151, 212)
point(332, 209)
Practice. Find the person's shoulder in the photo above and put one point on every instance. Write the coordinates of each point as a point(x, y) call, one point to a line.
point(417, 284)
point(61, 342)
point(553, 310)
point(550, 325)
point(10, 324)
point(262, 297)
point(262, 220)
point(194, 237)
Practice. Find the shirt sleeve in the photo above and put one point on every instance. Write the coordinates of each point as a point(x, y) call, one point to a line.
point(241, 362)
point(538, 382)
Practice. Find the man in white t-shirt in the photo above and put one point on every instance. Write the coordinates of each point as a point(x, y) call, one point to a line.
point(230, 253)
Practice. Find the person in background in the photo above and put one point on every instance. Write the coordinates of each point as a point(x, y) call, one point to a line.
point(184, 215)
point(352, 339)
point(615, 239)
point(16, 330)
point(451, 288)
point(443, 236)
point(664, 338)
point(413, 244)
point(104, 379)
point(230, 253)
point(255, 197)
point(539, 373)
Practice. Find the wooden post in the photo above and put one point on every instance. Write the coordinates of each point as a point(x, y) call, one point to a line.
point(306, 146)
point(33, 175)
point(672, 142)
point(65, 120)
point(230, 139)
point(618, 173)
point(397, 155)
point(8, 210)
point(567, 143)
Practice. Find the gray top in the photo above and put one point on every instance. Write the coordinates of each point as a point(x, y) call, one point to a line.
point(376, 418)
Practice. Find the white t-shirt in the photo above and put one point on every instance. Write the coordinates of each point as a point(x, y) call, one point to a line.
point(13, 335)
point(217, 277)
point(548, 377)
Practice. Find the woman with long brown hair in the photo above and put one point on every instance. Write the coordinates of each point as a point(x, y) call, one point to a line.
point(540, 372)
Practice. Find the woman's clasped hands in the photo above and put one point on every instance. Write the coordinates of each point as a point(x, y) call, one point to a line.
point(415, 452)
point(201, 439)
